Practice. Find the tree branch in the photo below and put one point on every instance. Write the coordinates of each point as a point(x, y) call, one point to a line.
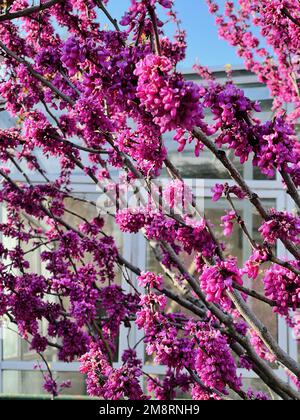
point(36, 75)
point(153, 18)
point(113, 21)
point(286, 13)
point(235, 175)
point(196, 378)
point(291, 187)
point(263, 332)
point(255, 295)
point(29, 10)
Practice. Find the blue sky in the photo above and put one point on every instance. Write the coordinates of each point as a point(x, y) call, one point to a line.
point(204, 44)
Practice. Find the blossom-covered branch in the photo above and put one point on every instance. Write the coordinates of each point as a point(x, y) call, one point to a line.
point(98, 102)
point(29, 10)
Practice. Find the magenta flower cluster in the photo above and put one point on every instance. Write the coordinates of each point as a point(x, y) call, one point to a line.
point(214, 362)
point(150, 280)
point(190, 237)
point(281, 225)
point(253, 265)
point(229, 105)
point(216, 281)
point(109, 383)
point(73, 55)
point(283, 287)
point(131, 220)
point(180, 100)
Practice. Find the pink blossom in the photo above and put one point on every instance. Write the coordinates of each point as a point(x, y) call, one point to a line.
point(131, 220)
point(218, 190)
point(215, 281)
point(282, 286)
point(180, 100)
point(281, 225)
point(177, 193)
point(228, 222)
point(151, 280)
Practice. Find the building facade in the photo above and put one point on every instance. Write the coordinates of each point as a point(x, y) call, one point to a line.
point(18, 372)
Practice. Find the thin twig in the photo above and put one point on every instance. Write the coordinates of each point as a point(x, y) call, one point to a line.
point(291, 187)
point(153, 18)
point(286, 12)
point(36, 75)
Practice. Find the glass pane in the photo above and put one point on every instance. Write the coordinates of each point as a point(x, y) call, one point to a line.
point(206, 166)
point(14, 348)
point(31, 382)
point(78, 385)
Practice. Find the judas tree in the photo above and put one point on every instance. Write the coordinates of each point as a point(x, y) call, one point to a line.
point(99, 99)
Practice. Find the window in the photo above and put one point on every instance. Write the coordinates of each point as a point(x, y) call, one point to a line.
point(19, 367)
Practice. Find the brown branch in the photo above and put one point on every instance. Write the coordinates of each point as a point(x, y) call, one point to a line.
point(104, 341)
point(153, 18)
point(15, 163)
point(235, 175)
point(79, 147)
point(108, 15)
point(255, 295)
point(291, 187)
point(36, 75)
point(263, 332)
point(284, 264)
point(262, 369)
point(241, 222)
point(29, 10)
point(196, 310)
point(196, 378)
point(287, 14)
